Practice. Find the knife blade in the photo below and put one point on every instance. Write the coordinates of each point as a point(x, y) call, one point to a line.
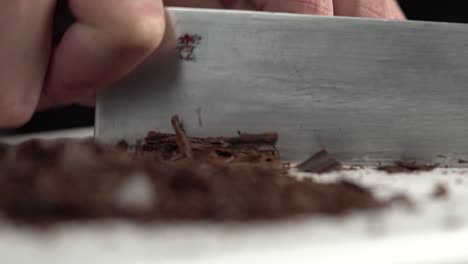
point(366, 90)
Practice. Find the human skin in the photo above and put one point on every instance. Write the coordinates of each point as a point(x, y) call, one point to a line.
point(108, 40)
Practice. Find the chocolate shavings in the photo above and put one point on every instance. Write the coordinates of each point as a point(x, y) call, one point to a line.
point(321, 162)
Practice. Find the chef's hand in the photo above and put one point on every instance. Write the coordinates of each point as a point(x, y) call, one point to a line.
point(108, 39)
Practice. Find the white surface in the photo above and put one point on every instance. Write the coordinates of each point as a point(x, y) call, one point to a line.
point(436, 232)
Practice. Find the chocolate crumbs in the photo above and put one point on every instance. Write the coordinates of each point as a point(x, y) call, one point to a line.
point(440, 191)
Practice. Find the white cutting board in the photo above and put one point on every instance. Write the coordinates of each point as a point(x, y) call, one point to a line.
point(437, 232)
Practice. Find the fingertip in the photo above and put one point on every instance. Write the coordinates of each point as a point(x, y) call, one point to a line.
point(18, 100)
point(141, 31)
point(43, 104)
point(134, 25)
point(15, 114)
point(88, 102)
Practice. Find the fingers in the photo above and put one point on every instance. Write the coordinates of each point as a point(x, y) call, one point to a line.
point(318, 7)
point(109, 39)
point(322, 7)
point(388, 9)
point(24, 52)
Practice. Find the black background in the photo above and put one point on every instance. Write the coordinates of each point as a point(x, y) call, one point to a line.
point(75, 116)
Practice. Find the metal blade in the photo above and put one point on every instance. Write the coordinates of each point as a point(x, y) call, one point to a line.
point(366, 90)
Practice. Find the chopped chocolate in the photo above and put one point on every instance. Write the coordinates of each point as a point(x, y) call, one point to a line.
point(181, 138)
point(168, 177)
point(244, 148)
point(440, 191)
point(321, 162)
point(406, 166)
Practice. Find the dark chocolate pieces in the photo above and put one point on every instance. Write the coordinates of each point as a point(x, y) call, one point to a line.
point(321, 162)
point(243, 148)
point(440, 191)
point(181, 138)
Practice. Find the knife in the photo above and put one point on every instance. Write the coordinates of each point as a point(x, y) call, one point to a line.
point(366, 90)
